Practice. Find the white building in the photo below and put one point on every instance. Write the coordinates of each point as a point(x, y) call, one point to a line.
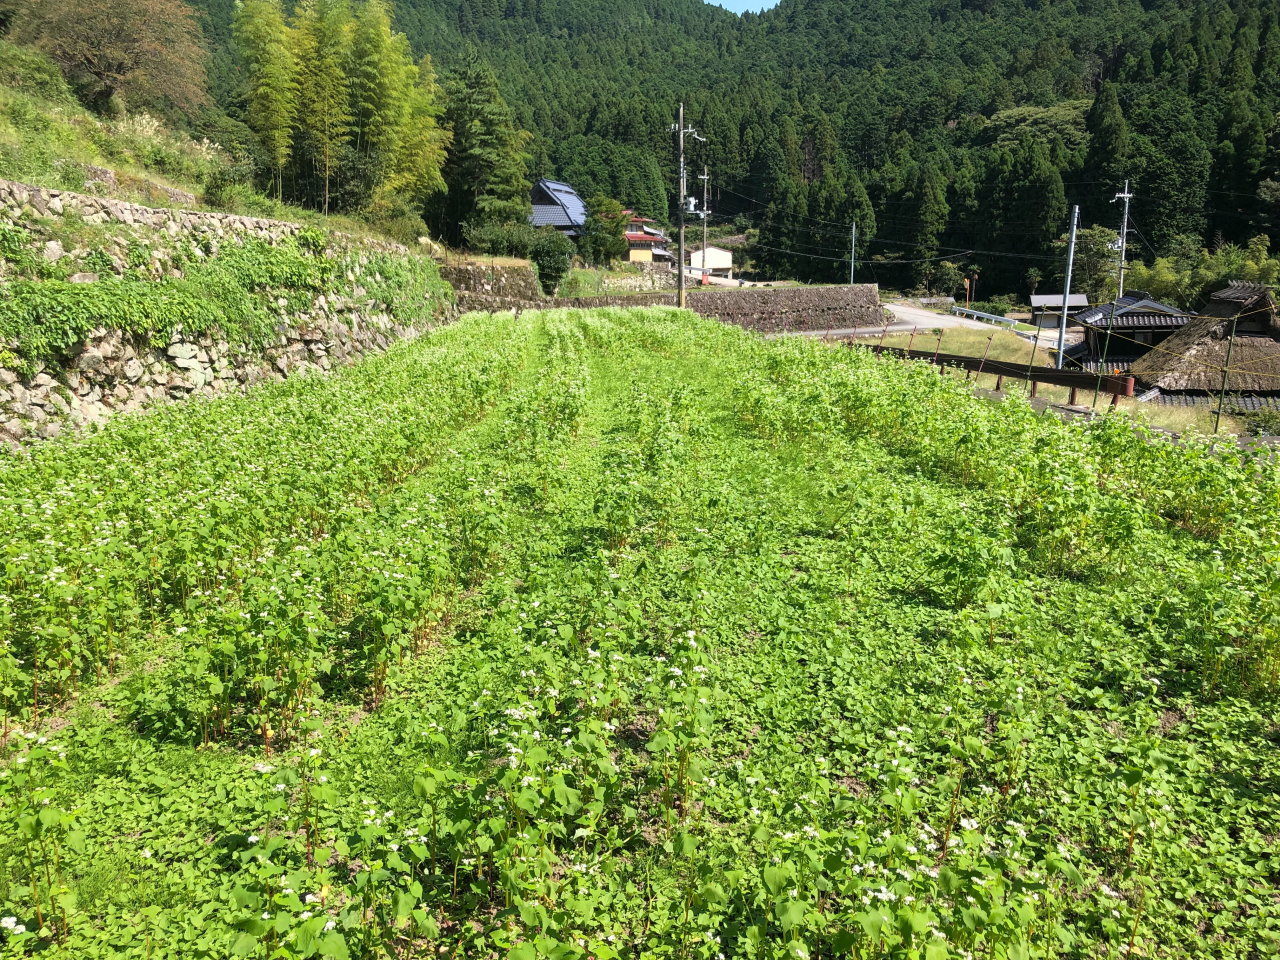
point(719, 262)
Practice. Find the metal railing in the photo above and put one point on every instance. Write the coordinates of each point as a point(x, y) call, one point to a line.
point(979, 315)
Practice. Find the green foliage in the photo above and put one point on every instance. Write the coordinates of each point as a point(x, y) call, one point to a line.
point(552, 254)
point(603, 237)
point(1096, 268)
point(1191, 272)
point(33, 74)
point(322, 33)
point(682, 641)
point(594, 165)
point(422, 143)
point(1261, 423)
point(487, 166)
point(501, 239)
point(234, 293)
point(263, 41)
point(50, 145)
point(997, 306)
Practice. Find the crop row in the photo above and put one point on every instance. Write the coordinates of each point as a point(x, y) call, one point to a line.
point(231, 534)
point(675, 642)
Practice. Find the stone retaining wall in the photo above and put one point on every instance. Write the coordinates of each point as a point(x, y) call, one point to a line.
point(111, 372)
point(22, 201)
point(763, 309)
point(476, 280)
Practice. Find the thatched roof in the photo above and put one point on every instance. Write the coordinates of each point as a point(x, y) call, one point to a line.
point(1191, 360)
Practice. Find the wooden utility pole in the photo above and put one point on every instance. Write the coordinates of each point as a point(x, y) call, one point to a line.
point(1066, 293)
point(680, 266)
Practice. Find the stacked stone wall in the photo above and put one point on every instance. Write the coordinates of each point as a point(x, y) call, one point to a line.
point(22, 201)
point(111, 372)
point(762, 309)
point(476, 281)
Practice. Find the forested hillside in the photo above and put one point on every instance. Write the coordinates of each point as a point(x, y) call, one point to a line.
point(971, 125)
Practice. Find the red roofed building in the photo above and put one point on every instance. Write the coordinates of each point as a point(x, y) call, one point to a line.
point(646, 242)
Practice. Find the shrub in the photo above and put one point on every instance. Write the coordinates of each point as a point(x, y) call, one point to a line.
point(1260, 423)
point(500, 239)
point(553, 254)
point(998, 306)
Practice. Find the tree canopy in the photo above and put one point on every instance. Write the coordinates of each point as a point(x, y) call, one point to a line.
point(962, 131)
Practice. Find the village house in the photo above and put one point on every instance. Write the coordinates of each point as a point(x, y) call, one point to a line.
point(646, 242)
point(1189, 364)
point(558, 205)
point(1115, 340)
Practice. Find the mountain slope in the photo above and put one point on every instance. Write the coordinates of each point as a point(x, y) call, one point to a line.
point(902, 93)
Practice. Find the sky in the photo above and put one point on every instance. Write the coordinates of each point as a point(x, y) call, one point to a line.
point(740, 6)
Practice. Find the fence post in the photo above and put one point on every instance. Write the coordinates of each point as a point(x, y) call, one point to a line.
point(1072, 401)
point(1033, 389)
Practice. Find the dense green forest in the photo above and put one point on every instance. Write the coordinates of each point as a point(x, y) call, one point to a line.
point(951, 130)
point(957, 134)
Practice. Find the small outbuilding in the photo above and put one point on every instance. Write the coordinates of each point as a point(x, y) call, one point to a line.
point(1046, 308)
point(718, 261)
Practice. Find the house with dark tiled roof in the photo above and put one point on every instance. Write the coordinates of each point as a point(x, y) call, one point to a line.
point(1239, 321)
point(1137, 324)
point(558, 205)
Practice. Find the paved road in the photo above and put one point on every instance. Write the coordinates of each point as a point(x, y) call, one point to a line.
point(905, 319)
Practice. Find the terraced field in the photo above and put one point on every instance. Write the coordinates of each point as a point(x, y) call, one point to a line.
point(625, 634)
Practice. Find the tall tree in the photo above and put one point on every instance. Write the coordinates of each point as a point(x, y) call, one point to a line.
point(420, 150)
point(120, 48)
point(486, 172)
point(1108, 161)
point(322, 43)
point(604, 236)
point(263, 41)
point(381, 79)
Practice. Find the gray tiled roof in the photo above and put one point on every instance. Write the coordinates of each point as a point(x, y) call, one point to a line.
point(550, 215)
point(557, 204)
point(1149, 319)
point(1137, 302)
